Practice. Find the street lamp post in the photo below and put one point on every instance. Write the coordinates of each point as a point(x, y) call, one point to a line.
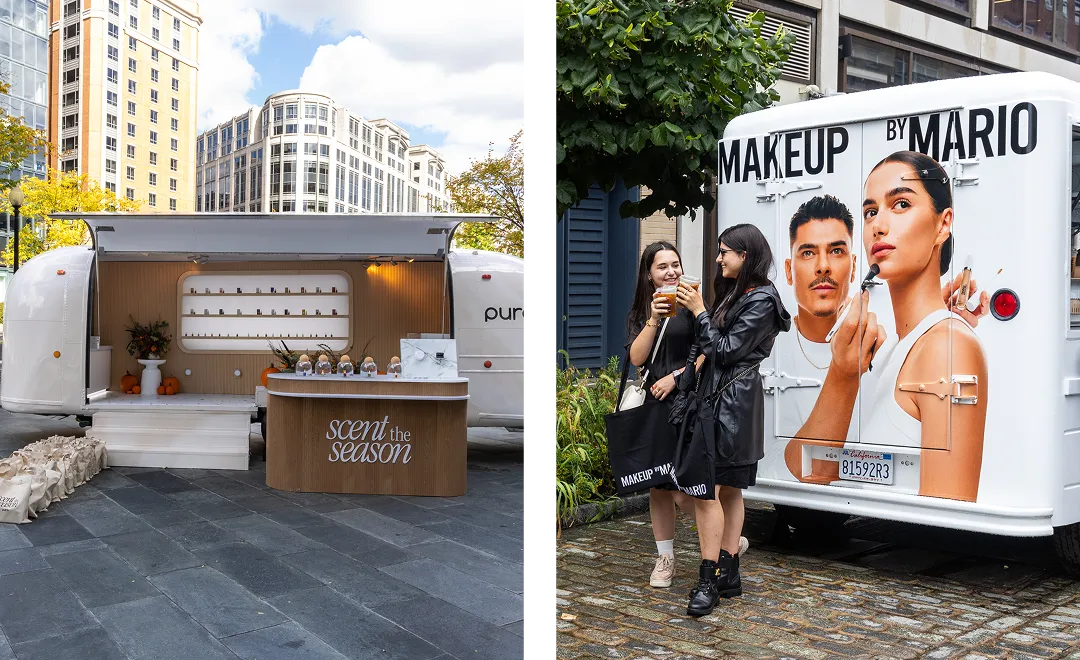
point(16, 197)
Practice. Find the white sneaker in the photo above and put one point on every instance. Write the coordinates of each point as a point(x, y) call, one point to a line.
point(744, 545)
point(663, 572)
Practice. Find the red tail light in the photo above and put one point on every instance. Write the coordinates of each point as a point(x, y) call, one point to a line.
point(1004, 304)
point(485, 276)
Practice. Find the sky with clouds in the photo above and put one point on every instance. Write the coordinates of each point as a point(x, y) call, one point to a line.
point(451, 72)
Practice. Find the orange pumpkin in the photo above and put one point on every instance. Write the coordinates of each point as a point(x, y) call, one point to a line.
point(136, 390)
point(170, 390)
point(128, 381)
point(161, 389)
point(171, 381)
point(266, 374)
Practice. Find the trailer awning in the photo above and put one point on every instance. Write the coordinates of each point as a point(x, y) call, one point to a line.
point(206, 237)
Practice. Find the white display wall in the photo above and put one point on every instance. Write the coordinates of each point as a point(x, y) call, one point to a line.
point(230, 312)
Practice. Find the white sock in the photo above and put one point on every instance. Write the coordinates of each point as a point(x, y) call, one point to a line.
point(666, 548)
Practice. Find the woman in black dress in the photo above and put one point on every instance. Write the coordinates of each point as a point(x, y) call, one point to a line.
point(660, 266)
point(735, 337)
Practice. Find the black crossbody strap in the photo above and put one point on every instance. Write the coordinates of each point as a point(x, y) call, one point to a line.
point(626, 364)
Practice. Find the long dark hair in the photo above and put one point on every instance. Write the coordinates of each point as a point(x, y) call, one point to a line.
point(755, 270)
point(639, 311)
point(935, 181)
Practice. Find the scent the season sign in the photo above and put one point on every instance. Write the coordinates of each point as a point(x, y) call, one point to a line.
point(367, 441)
point(944, 136)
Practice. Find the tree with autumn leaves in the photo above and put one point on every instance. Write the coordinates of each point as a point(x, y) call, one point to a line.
point(60, 192)
point(495, 186)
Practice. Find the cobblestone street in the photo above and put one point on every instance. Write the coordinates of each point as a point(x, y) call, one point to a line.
point(889, 590)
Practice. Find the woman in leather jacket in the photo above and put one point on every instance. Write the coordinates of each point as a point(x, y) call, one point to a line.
point(735, 336)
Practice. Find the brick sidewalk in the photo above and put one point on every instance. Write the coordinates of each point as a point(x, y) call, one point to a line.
point(874, 597)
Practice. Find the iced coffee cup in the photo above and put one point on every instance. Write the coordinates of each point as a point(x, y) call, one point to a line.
point(668, 292)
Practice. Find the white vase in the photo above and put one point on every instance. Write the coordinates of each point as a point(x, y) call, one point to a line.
point(151, 377)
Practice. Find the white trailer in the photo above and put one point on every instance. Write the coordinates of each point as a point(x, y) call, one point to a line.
point(393, 276)
point(968, 418)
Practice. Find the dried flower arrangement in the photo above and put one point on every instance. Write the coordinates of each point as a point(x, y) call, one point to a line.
point(288, 358)
point(148, 342)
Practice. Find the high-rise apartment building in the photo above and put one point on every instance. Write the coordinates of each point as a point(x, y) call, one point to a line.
point(124, 96)
point(305, 152)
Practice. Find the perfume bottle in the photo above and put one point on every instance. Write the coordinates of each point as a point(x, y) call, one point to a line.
point(221, 290)
point(238, 290)
point(345, 366)
point(193, 289)
point(303, 290)
point(318, 289)
point(368, 368)
point(303, 366)
point(323, 367)
point(333, 289)
point(394, 368)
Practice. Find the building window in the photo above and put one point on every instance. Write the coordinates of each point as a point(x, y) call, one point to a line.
point(175, 64)
point(874, 65)
point(153, 137)
point(154, 54)
point(133, 21)
point(153, 116)
point(132, 67)
point(154, 75)
point(176, 24)
point(112, 76)
point(176, 45)
point(309, 129)
point(130, 173)
point(153, 158)
point(110, 144)
point(176, 84)
point(110, 186)
point(172, 204)
point(114, 7)
point(110, 121)
point(290, 129)
point(172, 185)
point(153, 179)
point(110, 166)
point(1046, 21)
point(174, 124)
point(290, 111)
point(176, 105)
point(131, 130)
point(131, 108)
point(151, 199)
point(114, 30)
point(131, 151)
point(174, 144)
point(114, 53)
point(153, 96)
point(111, 98)
point(156, 12)
point(71, 76)
point(131, 87)
point(155, 34)
point(172, 164)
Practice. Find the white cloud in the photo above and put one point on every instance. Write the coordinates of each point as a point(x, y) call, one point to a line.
point(229, 34)
point(449, 67)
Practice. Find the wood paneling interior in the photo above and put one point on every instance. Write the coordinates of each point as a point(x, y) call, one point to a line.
point(387, 303)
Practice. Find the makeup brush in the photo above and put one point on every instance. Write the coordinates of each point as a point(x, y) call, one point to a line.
point(866, 283)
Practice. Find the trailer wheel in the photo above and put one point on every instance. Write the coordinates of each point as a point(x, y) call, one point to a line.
point(1067, 548)
point(808, 523)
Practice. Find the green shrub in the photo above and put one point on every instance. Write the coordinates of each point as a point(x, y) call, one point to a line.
point(583, 473)
point(1, 313)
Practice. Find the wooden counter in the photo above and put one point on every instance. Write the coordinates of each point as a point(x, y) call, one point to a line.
point(373, 435)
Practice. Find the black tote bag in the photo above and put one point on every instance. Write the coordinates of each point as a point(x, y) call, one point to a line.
point(694, 464)
point(641, 444)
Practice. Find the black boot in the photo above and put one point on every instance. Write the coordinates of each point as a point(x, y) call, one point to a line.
point(704, 596)
point(728, 582)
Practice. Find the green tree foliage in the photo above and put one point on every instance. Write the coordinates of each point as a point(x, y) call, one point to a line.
point(645, 89)
point(495, 186)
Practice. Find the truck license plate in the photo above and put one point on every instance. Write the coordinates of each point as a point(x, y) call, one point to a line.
point(868, 466)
